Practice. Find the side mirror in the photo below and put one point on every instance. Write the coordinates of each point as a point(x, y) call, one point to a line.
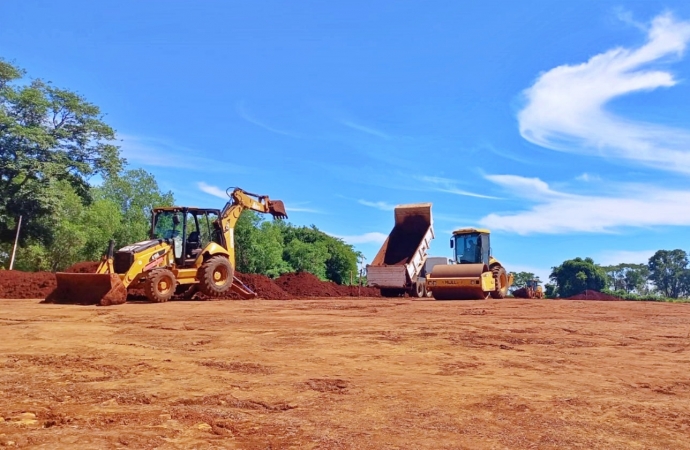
point(452, 243)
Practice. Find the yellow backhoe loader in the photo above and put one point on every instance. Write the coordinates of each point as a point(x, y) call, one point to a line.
point(189, 248)
point(475, 274)
point(532, 289)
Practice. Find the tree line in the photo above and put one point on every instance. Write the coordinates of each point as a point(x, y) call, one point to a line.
point(666, 275)
point(55, 146)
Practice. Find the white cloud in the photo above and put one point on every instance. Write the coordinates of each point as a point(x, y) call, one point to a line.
point(364, 129)
point(163, 153)
point(383, 206)
point(366, 238)
point(243, 113)
point(212, 190)
point(565, 107)
point(558, 213)
point(588, 177)
point(613, 257)
point(448, 186)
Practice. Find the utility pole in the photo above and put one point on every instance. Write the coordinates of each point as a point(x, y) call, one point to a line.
point(16, 241)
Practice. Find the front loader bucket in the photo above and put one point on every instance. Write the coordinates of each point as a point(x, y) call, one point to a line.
point(277, 209)
point(88, 289)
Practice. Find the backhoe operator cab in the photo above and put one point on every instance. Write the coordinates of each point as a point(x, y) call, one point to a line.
point(189, 230)
point(471, 246)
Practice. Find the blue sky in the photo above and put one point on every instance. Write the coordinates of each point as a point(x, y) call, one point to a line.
point(563, 127)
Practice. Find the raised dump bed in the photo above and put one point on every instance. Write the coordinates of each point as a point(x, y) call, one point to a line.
point(398, 263)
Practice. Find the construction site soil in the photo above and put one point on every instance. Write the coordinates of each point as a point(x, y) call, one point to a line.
point(20, 285)
point(325, 373)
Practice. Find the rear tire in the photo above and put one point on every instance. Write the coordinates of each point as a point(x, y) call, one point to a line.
point(216, 276)
point(419, 290)
point(160, 285)
point(501, 281)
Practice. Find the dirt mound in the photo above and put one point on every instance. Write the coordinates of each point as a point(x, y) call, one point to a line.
point(305, 284)
point(83, 267)
point(593, 295)
point(263, 286)
point(23, 285)
point(17, 285)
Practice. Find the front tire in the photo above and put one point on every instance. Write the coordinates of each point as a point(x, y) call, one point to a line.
point(160, 285)
point(501, 281)
point(215, 276)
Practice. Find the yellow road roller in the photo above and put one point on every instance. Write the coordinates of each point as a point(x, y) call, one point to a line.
point(474, 274)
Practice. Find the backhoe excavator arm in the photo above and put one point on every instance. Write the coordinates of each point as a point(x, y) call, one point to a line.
point(239, 201)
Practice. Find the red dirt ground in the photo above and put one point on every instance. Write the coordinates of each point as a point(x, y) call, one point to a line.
point(322, 374)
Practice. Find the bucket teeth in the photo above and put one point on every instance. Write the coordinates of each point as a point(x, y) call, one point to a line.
point(277, 209)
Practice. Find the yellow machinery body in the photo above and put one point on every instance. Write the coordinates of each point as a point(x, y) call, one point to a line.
point(475, 275)
point(165, 265)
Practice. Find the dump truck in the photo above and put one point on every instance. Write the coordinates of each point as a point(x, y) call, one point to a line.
point(399, 262)
point(188, 249)
point(475, 273)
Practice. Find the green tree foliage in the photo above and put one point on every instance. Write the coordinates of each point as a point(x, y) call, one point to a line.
point(79, 232)
point(275, 247)
point(668, 270)
point(47, 135)
point(577, 275)
point(259, 246)
point(136, 193)
point(628, 277)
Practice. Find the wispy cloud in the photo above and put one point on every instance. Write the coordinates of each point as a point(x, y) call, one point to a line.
point(558, 212)
point(367, 238)
point(212, 190)
point(383, 206)
point(243, 113)
point(449, 186)
point(613, 257)
point(365, 129)
point(156, 152)
point(588, 177)
point(565, 108)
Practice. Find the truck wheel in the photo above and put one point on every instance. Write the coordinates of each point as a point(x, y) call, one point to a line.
point(419, 290)
point(215, 276)
point(160, 285)
point(501, 280)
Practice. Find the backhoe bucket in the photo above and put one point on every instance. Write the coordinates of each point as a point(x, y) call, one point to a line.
point(88, 289)
point(277, 209)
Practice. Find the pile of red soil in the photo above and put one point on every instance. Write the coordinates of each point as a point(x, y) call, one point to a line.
point(304, 284)
point(593, 295)
point(21, 285)
point(16, 284)
point(263, 286)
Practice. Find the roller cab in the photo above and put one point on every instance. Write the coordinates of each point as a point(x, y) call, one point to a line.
point(474, 275)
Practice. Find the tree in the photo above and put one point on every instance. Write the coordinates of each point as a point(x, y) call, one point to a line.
point(627, 277)
point(259, 246)
point(577, 275)
point(136, 193)
point(668, 272)
point(47, 135)
point(307, 257)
